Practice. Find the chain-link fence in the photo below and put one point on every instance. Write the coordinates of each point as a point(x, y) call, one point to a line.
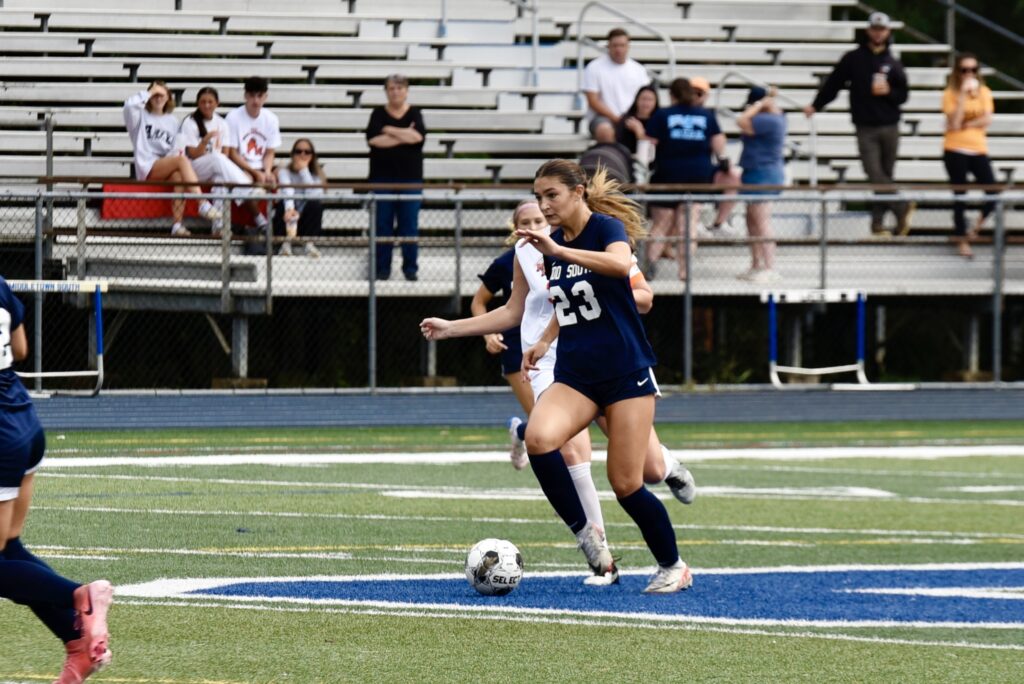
point(298, 299)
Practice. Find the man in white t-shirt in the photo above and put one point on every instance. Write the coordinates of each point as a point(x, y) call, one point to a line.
point(255, 133)
point(610, 82)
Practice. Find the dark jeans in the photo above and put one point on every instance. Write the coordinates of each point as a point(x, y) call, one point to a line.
point(958, 166)
point(406, 214)
point(310, 219)
point(879, 147)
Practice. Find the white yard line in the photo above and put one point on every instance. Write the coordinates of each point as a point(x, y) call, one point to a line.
point(926, 453)
point(532, 521)
point(629, 624)
point(582, 622)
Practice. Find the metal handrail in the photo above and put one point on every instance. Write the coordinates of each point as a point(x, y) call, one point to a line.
point(581, 38)
point(811, 154)
point(531, 6)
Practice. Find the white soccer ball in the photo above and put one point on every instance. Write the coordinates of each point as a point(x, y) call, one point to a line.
point(494, 567)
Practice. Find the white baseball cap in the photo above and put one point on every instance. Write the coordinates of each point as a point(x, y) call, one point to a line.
point(879, 20)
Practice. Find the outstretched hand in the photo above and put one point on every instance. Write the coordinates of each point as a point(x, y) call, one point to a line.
point(435, 328)
point(539, 239)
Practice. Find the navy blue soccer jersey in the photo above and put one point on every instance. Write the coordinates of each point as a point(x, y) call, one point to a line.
point(12, 313)
point(600, 334)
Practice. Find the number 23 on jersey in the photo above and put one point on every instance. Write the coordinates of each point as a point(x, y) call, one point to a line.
point(581, 299)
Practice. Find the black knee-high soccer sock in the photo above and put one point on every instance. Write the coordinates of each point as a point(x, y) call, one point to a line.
point(60, 621)
point(651, 517)
point(521, 431)
point(554, 478)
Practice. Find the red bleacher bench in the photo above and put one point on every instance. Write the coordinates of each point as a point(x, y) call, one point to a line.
point(131, 208)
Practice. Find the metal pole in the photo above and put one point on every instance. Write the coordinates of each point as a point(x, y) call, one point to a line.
point(951, 30)
point(687, 304)
point(535, 38)
point(823, 243)
point(442, 27)
point(269, 242)
point(998, 247)
point(49, 171)
point(456, 292)
point(371, 326)
point(37, 300)
point(773, 333)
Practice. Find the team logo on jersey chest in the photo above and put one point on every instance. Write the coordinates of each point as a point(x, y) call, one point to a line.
point(571, 271)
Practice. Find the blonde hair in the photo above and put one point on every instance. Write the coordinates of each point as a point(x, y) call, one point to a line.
point(512, 237)
point(602, 194)
point(169, 105)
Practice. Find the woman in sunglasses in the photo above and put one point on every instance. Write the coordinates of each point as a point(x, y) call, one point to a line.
point(301, 213)
point(968, 106)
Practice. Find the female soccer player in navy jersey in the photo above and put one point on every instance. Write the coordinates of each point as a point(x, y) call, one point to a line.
point(604, 359)
point(529, 305)
point(76, 614)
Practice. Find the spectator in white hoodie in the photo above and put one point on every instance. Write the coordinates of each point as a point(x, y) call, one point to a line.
point(153, 132)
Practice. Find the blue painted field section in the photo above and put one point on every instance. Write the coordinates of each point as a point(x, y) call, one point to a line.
point(992, 596)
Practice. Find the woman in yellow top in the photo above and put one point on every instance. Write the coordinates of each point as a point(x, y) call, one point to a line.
point(967, 104)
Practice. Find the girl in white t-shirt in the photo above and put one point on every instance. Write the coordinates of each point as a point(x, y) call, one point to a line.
point(202, 135)
point(153, 132)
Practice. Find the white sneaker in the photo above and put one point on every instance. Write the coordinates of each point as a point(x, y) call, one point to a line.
point(286, 249)
point(749, 274)
point(680, 480)
point(518, 450)
point(311, 251)
point(671, 579)
point(592, 543)
point(209, 212)
point(178, 230)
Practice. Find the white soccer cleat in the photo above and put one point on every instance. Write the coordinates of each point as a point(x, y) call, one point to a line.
point(605, 579)
point(592, 543)
point(679, 479)
point(518, 450)
point(671, 579)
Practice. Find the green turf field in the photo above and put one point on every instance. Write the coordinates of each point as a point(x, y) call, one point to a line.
point(338, 504)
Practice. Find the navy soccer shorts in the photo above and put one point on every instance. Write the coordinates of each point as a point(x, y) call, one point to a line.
point(22, 445)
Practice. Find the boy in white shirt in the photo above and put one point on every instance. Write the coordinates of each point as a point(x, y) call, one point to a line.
point(255, 134)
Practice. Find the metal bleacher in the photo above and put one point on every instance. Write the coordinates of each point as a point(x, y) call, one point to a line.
point(488, 121)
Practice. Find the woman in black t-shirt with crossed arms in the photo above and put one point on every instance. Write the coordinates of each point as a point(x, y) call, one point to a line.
point(395, 135)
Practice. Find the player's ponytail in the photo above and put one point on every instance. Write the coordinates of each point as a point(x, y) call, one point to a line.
point(601, 193)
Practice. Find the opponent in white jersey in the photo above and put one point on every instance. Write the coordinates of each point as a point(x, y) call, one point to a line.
point(202, 136)
point(153, 132)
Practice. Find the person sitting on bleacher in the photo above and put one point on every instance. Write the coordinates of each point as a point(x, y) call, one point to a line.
point(202, 135)
point(630, 131)
point(301, 214)
point(255, 135)
point(153, 132)
point(610, 82)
